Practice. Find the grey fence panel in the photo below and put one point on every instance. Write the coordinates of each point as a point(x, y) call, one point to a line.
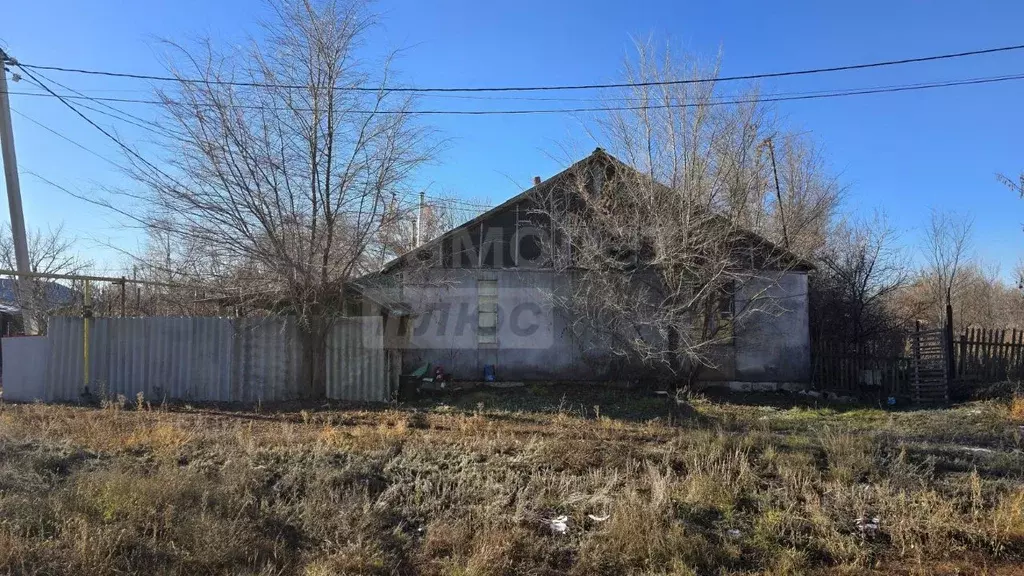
point(24, 371)
point(65, 380)
point(357, 367)
point(267, 359)
point(210, 359)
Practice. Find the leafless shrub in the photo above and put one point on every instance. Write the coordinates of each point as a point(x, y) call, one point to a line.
point(854, 291)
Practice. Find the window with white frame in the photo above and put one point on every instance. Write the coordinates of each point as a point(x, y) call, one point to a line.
point(487, 311)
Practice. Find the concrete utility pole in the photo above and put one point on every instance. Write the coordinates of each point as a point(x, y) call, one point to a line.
point(14, 200)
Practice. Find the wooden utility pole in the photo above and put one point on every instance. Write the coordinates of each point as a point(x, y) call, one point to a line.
point(138, 291)
point(778, 195)
point(14, 201)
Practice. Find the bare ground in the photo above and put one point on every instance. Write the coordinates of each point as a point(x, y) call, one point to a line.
point(469, 487)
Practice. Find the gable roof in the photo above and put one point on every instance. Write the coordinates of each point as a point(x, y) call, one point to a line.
point(599, 154)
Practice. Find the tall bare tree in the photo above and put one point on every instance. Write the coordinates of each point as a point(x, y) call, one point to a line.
point(49, 252)
point(947, 247)
point(281, 162)
point(663, 260)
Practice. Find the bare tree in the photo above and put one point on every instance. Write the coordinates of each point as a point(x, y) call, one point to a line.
point(982, 299)
point(281, 163)
point(947, 246)
point(49, 252)
point(182, 277)
point(663, 261)
point(809, 197)
point(862, 272)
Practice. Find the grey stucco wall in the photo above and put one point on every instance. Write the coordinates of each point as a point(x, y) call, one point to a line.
point(773, 342)
point(769, 346)
point(534, 340)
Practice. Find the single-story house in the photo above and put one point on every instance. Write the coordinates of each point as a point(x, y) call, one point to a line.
point(477, 311)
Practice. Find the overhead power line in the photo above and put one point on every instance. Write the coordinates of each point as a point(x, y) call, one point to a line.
point(455, 203)
point(117, 114)
point(69, 140)
point(117, 140)
point(759, 76)
point(819, 95)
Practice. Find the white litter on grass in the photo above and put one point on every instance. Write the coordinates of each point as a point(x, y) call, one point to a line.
point(559, 525)
point(599, 518)
point(867, 527)
point(733, 533)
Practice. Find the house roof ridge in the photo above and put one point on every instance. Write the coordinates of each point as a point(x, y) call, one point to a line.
point(598, 153)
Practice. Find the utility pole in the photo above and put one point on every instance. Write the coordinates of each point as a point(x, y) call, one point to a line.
point(778, 194)
point(419, 220)
point(14, 201)
point(138, 294)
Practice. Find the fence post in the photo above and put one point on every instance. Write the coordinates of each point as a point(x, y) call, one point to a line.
point(950, 356)
point(916, 352)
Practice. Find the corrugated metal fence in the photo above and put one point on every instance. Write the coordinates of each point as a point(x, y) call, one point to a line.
point(358, 366)
point(211, 359)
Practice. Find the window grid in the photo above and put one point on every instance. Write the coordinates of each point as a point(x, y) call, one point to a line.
point(487, 311)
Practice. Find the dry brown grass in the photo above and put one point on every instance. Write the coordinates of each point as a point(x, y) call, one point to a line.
point(447, 490)
point(1017, 408)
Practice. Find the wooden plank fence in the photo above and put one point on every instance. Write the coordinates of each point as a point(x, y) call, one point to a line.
point(929, 367)
point(864, 371)
point(981, 356)
point(985, 355)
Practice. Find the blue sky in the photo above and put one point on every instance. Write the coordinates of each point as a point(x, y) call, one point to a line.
point(904, 153)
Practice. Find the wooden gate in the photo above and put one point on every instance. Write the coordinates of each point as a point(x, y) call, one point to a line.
point(929, 381)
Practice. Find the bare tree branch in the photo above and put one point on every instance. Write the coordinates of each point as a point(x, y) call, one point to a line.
point(665, 259)
point(947, 243)
point(49, 252)
point(284, 189)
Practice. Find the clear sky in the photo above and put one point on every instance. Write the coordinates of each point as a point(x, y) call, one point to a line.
point(904, 153)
